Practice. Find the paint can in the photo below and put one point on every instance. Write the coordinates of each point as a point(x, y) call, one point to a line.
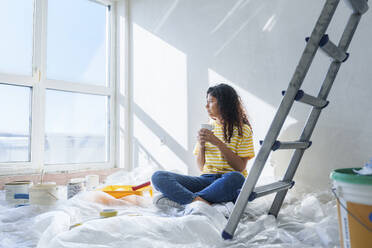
point(44, 194)
point(92, 181)
point(17, 188)
point(354, 203)
point(75, 186)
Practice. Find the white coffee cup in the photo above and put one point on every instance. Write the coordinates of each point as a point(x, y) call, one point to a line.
point(207, 126)
point(92, 181)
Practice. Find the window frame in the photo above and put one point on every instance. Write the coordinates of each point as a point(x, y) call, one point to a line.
point(39, 84)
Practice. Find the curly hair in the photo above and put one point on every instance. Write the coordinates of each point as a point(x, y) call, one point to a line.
point(231, 109)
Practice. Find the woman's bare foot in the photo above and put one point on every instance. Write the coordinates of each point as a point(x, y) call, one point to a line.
point(198, 198)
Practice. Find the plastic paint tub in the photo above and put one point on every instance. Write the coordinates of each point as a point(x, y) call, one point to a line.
point(44, 194)
point(92, 181)
point(75, 186)
point(354, 204)
point(16, 187)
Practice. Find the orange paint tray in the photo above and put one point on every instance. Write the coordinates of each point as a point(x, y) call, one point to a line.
point(119, 191)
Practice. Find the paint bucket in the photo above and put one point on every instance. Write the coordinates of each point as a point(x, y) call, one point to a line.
point(354, 203)
point(75, 186)
point(44, 194)
point(17, 188)
point(92, 181)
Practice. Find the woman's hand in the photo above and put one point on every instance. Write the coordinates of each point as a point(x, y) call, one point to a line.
point(201, 139)
point(206, 135)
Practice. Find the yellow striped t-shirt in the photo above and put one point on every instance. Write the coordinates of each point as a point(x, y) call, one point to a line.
point(215, 163)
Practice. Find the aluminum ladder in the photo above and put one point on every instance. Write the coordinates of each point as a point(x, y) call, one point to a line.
point(293, 93)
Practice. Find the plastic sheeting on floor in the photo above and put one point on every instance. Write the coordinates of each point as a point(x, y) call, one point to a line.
point(306, 221)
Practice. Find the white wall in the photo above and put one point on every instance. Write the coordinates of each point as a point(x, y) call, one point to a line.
point(181, 46)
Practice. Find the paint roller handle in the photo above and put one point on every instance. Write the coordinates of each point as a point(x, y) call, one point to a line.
point(141, 186)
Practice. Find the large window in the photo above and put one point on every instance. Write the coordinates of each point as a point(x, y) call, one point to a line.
point(56, 84)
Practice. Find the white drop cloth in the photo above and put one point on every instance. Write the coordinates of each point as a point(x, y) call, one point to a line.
point(307, 221)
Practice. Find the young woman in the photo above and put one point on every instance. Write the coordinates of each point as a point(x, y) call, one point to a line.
point(222, 156)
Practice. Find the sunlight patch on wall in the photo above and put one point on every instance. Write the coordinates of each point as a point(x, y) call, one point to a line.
point(153, 147)
point(166, 15)
point(160, 83)
point(270, 24)
point(239, 29)
point(236, 6)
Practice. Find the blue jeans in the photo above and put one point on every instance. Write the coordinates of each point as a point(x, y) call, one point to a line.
point(214, 188)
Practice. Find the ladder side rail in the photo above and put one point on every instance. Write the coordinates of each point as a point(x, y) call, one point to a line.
point(358, 6)
point(349, 31)
point(287, 102)
point(315, 113)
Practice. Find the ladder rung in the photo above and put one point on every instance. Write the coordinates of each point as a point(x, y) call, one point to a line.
point(332, 50)
point(289, 145)
point(270, 188)
point(329, 48)
point(359, 6)
point(301, 96)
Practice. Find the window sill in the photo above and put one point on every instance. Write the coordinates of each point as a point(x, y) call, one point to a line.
point(61, 178)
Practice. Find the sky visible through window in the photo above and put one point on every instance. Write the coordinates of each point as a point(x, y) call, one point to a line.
point(16, 36)
point(76, 41)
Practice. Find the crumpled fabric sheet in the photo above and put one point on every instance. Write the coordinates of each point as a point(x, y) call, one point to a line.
point(304, 221)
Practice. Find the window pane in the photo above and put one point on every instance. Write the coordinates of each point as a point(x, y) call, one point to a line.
point(15, 110)
point(16, 37)
point(76, 128)
point(76, 41)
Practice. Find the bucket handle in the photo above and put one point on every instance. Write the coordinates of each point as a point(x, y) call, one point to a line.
point(351, 214)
